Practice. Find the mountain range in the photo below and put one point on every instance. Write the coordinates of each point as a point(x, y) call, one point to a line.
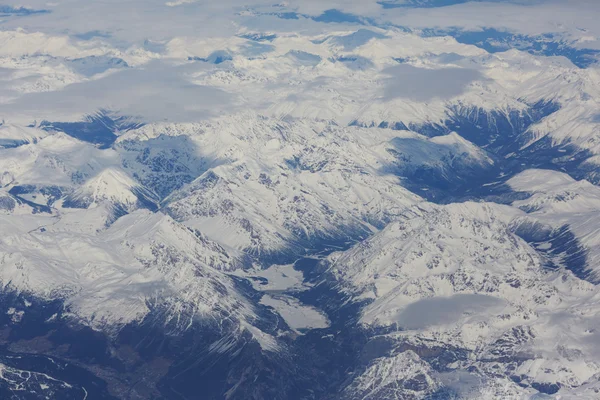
point(302, 203)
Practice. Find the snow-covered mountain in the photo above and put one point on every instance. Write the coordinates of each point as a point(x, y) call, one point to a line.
point(451, 290)
point(13, 136)
point(299, 200)
point(289, 185)
point(110, 278)
point(564, 212)
point(114, 186)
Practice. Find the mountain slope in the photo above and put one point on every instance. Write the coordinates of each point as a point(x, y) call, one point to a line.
point(565, 206)
point(114, 186)
point(285, 185)
point(455, 286)
point(111, 277)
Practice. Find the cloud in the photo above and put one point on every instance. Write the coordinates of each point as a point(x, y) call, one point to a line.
point(158, 91)
point(421, 84)
point(445, 310)
point(133, 21)
point(357, 39)
point(528, 16)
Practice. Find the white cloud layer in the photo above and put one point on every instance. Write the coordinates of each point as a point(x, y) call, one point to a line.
point(132, 56)
point(158, 91)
